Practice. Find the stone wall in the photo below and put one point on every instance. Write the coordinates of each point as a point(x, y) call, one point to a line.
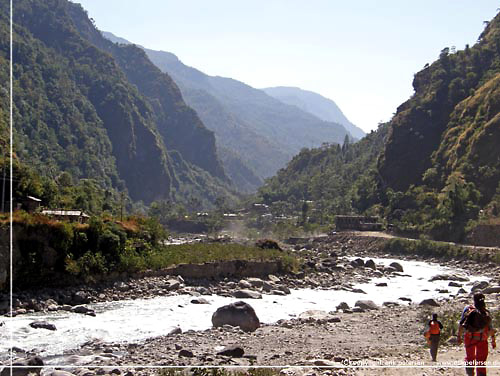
point(217, 270)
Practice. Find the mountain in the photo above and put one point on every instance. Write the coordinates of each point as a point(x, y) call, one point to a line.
point(261, 131)
point(97, 110)
point(315, 104)
point(434, 169)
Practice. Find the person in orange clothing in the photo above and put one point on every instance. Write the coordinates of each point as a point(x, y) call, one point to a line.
point(433, 335)
point(476, 323)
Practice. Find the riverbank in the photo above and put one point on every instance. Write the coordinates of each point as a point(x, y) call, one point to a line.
point(323, 339)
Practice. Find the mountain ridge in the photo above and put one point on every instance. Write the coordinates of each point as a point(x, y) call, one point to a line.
point(316, 104)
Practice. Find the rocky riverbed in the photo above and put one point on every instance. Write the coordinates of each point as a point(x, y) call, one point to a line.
point(344, 334)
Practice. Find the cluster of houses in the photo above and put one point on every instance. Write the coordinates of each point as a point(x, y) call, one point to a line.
point(34, 205)
point(342, 222)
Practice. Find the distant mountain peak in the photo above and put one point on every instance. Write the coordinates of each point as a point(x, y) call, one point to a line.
point(316, 104)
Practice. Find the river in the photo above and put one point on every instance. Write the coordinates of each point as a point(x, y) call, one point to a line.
point(139, 319)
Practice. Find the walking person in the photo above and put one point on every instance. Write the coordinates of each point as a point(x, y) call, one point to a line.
point(476, 323)
point(434, 334)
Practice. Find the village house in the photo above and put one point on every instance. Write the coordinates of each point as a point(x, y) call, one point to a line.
point(67, 215)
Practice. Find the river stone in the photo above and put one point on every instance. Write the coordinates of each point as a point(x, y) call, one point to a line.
point(266, 286)
point(285, 289)
point(429, 302)
point(389, 269)
point(357, 263)
point(244, 284)
point(366, 304)
point(343, 306)
point(454, 284)
point(175, 331)
point(255, 282)
point(397, 266)
point(381, 284)
point(80, 297)
point(247, 294)
point(33, 362)
point(358, 291)
point(173, 284)
point(491, 290)
point(43, 325)
point(186, 353)
point(232, 351)
point(199, 301)
point(448, 277)
point(236, 314)
point(52, 307)
point(273, 278)
point(203, 290)
point(479, 286)
point(370, 264)
point(83, 309)
point(277, 292)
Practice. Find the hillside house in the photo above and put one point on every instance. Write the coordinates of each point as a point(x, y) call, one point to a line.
point(67, 215)
point(357, 222)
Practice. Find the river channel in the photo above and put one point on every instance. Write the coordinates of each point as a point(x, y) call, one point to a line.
point(139, 319)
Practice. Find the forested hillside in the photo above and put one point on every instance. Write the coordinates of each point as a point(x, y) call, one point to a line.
point(95, 110)
point(433, 169)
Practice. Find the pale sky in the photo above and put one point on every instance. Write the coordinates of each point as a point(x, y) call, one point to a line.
point(361, 54)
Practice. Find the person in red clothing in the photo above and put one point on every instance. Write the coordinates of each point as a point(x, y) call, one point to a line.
point(434, 333)
point(476, 323)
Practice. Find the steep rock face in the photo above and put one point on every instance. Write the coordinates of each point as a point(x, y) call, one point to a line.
point(470, 143)
point(78, 109)
point(316, 104)
point(177, 123)
point(125, 117)
point(424, 123)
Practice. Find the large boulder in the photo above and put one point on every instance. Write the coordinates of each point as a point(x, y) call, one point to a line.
point(236, 314)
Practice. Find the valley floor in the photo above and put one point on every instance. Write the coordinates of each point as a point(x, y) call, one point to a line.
point(388, 335)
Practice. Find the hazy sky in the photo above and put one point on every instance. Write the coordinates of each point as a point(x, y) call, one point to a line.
point(361, 54)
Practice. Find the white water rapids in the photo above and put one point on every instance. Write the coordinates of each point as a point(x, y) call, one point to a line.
point(136, 320)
